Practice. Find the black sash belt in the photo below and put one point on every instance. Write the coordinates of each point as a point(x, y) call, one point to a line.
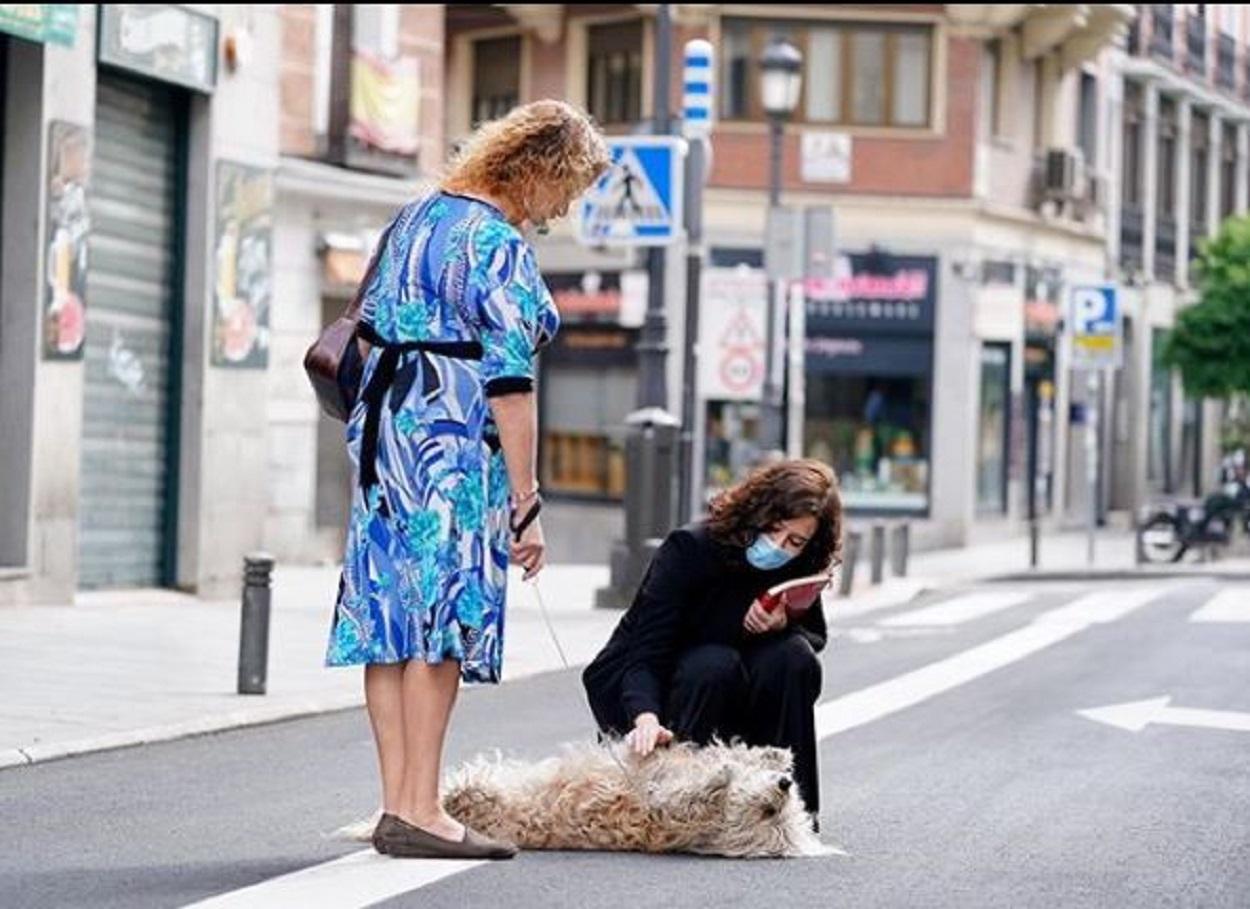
point(383, 379)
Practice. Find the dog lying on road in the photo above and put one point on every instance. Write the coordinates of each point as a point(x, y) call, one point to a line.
point(730, 800)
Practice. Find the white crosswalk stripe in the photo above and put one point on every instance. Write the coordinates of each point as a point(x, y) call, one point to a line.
point(876, 701)
point(958, 610)
point(351, 882)
point(1231, 605)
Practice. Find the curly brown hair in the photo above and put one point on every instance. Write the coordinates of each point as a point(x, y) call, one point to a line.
point(540, 146)
point(779, 492)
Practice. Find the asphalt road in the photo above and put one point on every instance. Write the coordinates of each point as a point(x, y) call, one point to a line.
point(975, 783)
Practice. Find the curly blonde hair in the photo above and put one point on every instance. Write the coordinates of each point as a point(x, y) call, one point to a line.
point(542, 145)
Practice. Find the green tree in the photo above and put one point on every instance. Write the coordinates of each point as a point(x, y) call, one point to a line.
point(1210, 345)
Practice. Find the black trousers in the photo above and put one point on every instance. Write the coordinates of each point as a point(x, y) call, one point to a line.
point(765, 693)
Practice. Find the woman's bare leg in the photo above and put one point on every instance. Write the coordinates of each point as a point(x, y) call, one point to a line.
point(429, 694)
point(384, 695)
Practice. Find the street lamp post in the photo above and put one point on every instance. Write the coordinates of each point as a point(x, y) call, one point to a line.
point(781, 80)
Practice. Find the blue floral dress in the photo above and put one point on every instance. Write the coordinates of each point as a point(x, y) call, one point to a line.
point(425, 571)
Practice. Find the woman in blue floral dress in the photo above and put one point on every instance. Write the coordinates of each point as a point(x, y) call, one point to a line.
point(443, 439)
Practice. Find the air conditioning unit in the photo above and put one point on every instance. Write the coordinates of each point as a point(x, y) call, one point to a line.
point(1064, 174)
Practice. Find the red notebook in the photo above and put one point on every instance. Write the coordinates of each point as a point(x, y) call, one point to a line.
point(796, 596)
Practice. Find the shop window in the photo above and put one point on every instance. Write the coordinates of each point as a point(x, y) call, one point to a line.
point(614, 72)
point(993, 427)
point(874, 430)
point(854, 74)
point(1159, 441)
point(731, 444)
point(583, 442)
point(496, 77)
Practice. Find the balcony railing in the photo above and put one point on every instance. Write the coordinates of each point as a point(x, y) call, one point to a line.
point(1195, 44)
point(1226, 62)
point(1162, 21)
point(1131, 238)
point(1165, 249)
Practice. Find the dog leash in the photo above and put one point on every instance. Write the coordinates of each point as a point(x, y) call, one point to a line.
point(564, 660)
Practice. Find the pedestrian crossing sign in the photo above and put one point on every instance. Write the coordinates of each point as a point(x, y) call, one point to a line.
point(638, 200)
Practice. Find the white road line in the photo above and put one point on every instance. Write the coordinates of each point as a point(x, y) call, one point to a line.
point(1229, 605)
point(861, 707)
point(351, 882)
point(364, 878)
point(958, 610)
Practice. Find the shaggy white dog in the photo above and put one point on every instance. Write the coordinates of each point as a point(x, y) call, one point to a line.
point(729, 800)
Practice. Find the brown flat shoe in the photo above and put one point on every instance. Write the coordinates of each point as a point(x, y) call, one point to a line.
point(404, 840)
point(384, 829)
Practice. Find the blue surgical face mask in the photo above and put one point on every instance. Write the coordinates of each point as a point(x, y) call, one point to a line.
point(766, 555)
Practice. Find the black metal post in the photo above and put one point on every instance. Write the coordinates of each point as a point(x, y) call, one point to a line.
point(771, 416)
point(695, 167)
point(1031, 405)
point(876, 552)
point(254, 624)
point(653, 340)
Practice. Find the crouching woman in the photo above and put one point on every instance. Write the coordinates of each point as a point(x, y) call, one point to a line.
point(696, 656)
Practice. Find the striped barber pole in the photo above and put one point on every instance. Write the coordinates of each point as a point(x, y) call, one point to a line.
point(697, 89)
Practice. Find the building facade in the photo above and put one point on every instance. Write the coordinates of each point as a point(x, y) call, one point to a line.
point(928, 130)
point(134, 294)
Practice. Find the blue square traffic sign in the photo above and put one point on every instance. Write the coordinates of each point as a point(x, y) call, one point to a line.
point(638, 200)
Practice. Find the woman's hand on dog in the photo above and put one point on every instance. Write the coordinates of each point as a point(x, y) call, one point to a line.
point(647, 734)
point(759, 620)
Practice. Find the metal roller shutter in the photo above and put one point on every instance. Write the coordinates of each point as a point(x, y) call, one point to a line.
point(126, 505)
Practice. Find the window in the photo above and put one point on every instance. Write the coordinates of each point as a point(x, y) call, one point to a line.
point(1087, 119)
point(496, 77)
point(853, 74)
point(1130, 171)
point(992, 435)
point(1199, 146)
point(1166, 186)
point(583, 439)
point(992, 86)
point(614, 72)
point(873, 430)
point(1228, 171)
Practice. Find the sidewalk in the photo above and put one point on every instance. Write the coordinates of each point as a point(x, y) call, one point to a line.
point(128, 667)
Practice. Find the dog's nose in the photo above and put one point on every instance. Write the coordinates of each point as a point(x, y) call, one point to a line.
point(785, 783)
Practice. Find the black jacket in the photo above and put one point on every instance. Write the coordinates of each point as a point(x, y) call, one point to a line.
point(696, 591)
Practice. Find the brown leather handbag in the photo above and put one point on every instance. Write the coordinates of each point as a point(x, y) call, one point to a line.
point(334, 362)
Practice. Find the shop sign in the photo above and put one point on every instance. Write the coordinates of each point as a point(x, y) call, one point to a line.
point(170, 43)
point(47, 23)
point(732, 334)
point(244, 266)
point(65, 244)
point(874, 292)
point(825, 157)
point(1096, 319)
point(593, 346)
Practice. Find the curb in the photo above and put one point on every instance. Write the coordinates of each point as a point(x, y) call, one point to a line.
point(1121, 574)
point(219, 722)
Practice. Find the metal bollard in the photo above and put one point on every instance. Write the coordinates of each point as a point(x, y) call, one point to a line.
point(876, 553)
point(850, 556)
point(254, 624)
point(900, 548)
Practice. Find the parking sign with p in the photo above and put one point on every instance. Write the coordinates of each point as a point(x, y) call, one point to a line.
point(1095, 319)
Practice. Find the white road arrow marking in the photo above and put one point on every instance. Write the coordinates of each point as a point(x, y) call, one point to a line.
point(1229, 605)
point(1137, 715)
